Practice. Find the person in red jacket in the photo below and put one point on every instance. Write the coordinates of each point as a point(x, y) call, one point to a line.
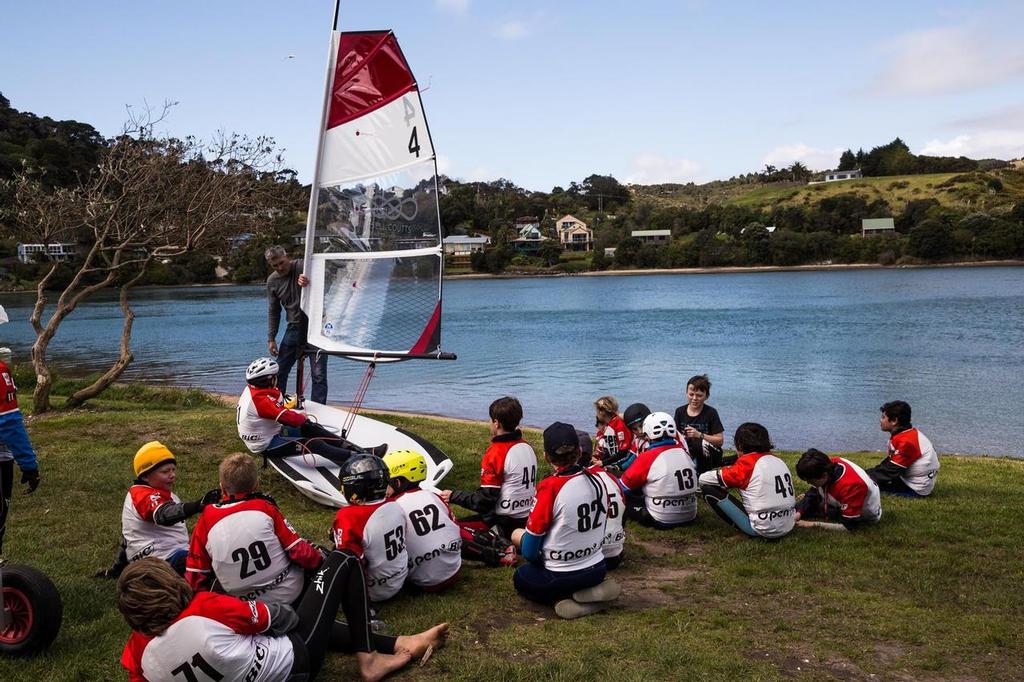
point(263, 411)
point(14, 446)
point(912, 464)
point(614, 438)
point(245, 545)
point(181, 635)
point(842, 492)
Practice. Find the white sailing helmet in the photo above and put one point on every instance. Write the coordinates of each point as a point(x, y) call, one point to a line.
point(659, 425)
point(261, 367)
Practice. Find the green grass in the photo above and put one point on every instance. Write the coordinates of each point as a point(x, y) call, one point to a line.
point(933, 592)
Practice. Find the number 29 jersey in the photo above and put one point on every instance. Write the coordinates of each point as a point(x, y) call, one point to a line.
point(432, 538)
point(376, 534)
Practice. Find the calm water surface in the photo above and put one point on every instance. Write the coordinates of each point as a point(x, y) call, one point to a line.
point(811, 355)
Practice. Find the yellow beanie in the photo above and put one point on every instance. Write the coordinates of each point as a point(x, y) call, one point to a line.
point(150, 456)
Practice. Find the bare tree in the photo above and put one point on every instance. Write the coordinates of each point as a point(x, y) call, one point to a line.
point(150, 198)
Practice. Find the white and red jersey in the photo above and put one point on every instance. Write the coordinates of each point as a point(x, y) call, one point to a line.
point(615, 534)
point(766, 488)
point(572, 515)
point(376, 534)
point(216, 637)
point(432, 538)
point(251, 549)
point(853, 493)
point(510, 465)
point(142, 536)
point(8, 391)
point(260, 414)
point(911, 450)
point(668, 477)
point(614, 436)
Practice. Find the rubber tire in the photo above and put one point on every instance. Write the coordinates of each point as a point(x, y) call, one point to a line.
point(44, 601)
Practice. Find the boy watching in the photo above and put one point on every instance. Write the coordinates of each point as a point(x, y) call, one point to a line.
point(508, 473)
point(153, 516)
point(564, 534)
point(842, 492)
point(371, 527)
point(911, 466)
point(661, 485)
point(700, 425)
point(244, 543)
point(764, 482)
point(432, 536)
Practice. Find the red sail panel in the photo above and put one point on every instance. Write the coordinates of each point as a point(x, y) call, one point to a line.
point(370, 71)
point(430, 339)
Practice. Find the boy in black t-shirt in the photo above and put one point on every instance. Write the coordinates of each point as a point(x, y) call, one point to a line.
point(700, 425)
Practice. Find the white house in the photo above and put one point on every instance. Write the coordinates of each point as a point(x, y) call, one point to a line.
point(833, 176)
point(652, 236)
point(573, 234)
point(59, 251)
point(461, 245)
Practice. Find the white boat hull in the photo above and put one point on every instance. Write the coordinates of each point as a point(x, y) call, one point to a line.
point(317, 477)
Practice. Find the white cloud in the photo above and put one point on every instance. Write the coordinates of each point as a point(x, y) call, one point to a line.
point(1002, 119)
point(652, 169)
point(453, 6)
point(812, 157)
point(998, 144)
point(511, 30)
point(945, 60)
point(444, 165)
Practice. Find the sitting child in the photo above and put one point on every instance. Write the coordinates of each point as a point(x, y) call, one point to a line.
point(262, 413)
point(700, 425)
point(14, 444)
point(243, 543)
point(180, 635)
point(661, 485)
point(615, 532)
point(371, 527)
point(564, 534)
point(842, 491)
point(508, 474)
point(764, 482)
point(432, 536)
point(911, 465)
point(614, 439)
point(153, 517)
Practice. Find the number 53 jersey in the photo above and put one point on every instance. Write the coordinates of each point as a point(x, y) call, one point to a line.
point(376, 534)
point(432, 538)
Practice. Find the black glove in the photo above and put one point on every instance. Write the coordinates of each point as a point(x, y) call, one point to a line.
point(211, 497)
point(31, 477)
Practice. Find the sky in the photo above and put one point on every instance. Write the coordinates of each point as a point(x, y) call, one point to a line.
point(546, 93)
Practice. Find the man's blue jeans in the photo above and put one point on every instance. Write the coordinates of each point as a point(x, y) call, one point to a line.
point(294, 336)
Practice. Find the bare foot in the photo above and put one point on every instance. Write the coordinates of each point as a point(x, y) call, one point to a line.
point(418, 644)
point(376, 666)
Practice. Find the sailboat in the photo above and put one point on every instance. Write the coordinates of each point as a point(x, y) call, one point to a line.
point(373, 253)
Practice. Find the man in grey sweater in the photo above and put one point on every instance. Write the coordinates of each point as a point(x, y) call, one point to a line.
point(284, 291)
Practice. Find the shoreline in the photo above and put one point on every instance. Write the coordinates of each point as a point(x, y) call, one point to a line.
point(723, 270)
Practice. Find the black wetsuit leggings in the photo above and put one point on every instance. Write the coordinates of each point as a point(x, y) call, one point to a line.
point(316, 439)
point(339, 582)
point(6, 486)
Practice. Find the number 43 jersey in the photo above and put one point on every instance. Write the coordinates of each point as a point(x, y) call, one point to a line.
point(376, 534)
point(431, 538)
point(766, 488)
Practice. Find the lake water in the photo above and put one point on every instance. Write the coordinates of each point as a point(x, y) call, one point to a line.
point(811, 355)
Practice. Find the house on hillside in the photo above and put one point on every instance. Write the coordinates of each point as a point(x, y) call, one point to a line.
point(833, 176)
point(659, 237)
point(870, 227)
point(57, 251)
point(461, 245)
point(573, 234)
point(530, 237)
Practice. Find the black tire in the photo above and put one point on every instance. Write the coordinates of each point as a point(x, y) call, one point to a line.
point(35, 607)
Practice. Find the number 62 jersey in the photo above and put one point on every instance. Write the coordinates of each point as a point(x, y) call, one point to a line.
point(432, 538)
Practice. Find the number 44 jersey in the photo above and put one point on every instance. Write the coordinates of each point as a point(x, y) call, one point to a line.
point(375, 533)
point(432, 538)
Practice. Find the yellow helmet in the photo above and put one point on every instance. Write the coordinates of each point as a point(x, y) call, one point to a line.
point(407, 464)
point(150, 456)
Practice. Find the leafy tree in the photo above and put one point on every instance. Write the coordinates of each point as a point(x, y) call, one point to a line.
point(930, 239)
point(914, 213)
point(847, 161)
point(550, 253)
point(627, 251)
point(599, 261)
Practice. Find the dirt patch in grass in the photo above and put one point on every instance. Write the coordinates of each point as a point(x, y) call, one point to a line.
point(794, 663)
point(652, 586)
point(520, 612)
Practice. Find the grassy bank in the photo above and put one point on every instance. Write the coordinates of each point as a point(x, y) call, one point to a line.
point(933, 592)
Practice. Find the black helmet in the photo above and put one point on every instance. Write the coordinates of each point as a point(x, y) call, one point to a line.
point(364, 479)
point(635, 414)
